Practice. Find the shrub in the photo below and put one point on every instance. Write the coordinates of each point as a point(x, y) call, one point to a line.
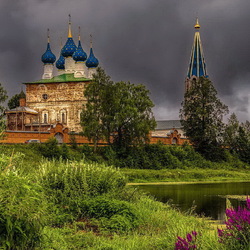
point(50, 149)
point(115, 215)
point(64, 152)
point(68, 184)
point(73, 141)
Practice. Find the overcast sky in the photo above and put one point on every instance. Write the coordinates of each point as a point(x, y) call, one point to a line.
point(142, 41)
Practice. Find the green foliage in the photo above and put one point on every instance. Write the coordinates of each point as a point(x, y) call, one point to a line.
point(103, 212)
point(201, 117)
point(133, 118)
point(68, 184)
point(3, 98)
point(14, 101)
point(23, 212)
point(93, 114)
point(64, 151)
point(121, 109)
point(237, 138)
point(242, 145)
point(50, 149)
point(73, 141)
point(155, 156)
point(115, 215)
point(231, 132)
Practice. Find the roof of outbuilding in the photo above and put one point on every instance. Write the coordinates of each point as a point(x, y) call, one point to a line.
point(168, 124)
point(22, 109)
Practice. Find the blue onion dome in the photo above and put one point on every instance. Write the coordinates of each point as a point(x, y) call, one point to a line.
point(48, 57)
point(60, 63)
point(69, 48)
point(92, 61)
point(79, 55)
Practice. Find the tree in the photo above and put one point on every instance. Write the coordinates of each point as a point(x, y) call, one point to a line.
point(237, 138)
point(242, 145)
point(201, 116)
point(92, 116)
point(3, 98)
point(15, 100)
point(123, 110)
point(246, 127)
point(231, 132)
point(133, 117)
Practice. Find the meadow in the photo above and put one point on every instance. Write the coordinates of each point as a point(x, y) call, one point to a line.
point(62, 198)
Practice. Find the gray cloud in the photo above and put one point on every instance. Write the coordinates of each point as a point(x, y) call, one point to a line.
point(143, 41)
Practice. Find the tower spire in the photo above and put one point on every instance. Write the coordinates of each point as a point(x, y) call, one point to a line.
point(69, 32)
point(197, 25)
point(48, 36)
point(197, 66)
point(91, 41)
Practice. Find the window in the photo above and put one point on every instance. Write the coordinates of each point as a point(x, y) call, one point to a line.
point(45, 96)
point(45, 118)
point(174, 140)
point(63, 118)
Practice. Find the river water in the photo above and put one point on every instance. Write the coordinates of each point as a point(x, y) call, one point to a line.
point(206, 199)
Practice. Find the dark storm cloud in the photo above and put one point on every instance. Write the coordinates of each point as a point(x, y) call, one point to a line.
point(143, 41)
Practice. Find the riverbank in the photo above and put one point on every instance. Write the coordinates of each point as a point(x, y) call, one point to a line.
point(77, 205)
point(68, 204)
point(170, 176)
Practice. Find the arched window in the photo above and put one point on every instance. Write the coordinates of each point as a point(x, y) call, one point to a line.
point(45, 118)
point(174, 140)
point(63, 118)
point(79, 114)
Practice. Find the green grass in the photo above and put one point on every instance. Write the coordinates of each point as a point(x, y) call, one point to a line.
point(187, 175)
point(161, 226)
point(83, 205)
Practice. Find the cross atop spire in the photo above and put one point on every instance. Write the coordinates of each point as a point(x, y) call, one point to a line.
point(91, 40)
point(48, 36)
point(197, 66)
point(197, 25)
point(79, 33)
point(69, 33)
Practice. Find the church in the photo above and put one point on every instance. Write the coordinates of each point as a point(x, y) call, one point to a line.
point(52, 105)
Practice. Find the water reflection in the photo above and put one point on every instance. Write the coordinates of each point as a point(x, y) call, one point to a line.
point(207, 197)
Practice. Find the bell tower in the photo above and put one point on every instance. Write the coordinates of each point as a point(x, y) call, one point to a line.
point(197, 65)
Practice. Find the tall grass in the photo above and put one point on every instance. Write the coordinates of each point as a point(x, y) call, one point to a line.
point(23, 212)
point(60, 204)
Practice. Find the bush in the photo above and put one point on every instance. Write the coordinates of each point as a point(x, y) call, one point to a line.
point(50, 149)
point(68, 184)
point(114, 215)
point(64, 152)
point(23, 211)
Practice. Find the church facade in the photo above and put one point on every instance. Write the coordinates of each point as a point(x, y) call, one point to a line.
point(53, 105)
point(56, 99)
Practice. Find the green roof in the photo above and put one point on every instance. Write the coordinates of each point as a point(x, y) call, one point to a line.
point(61, 78)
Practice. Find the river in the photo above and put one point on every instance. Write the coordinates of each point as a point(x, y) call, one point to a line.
point(207, 199)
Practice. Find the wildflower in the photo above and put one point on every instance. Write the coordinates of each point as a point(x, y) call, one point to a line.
point(237, 226)
point(187, 243)
point(189, 237)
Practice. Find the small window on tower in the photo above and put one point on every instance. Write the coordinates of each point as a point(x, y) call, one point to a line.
point(45, 96)
point(45, 118)
point(63, 118)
